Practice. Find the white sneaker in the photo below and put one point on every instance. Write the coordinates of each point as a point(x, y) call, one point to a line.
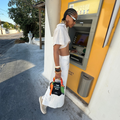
point(42, 107)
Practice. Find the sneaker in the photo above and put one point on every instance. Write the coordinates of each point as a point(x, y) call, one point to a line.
point(42, 107)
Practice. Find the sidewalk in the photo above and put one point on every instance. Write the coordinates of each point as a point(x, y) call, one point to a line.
point(21, 84)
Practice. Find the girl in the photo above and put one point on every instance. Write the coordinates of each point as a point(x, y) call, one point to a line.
point(61, 42)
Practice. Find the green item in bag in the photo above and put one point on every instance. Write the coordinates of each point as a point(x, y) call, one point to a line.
point(62, 89)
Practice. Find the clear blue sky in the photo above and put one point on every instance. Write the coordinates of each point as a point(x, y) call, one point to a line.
point(4, 11)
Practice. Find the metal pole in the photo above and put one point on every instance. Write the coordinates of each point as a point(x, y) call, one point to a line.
point(40, 28)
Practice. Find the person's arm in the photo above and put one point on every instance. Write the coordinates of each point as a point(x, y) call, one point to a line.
point(56, 60)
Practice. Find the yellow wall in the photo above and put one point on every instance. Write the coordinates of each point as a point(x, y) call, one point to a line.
point(97, 54)
point(64, 7)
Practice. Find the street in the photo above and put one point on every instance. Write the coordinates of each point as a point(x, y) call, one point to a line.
point(7, 41)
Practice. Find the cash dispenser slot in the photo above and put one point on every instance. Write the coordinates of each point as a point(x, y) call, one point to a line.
point(84, 23)
point(76, 58)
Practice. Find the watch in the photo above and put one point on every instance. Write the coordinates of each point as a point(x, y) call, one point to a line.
point(57, 69)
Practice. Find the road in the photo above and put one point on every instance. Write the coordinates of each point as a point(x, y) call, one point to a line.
point(7, 41)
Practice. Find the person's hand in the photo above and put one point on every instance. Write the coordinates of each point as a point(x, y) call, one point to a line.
point(73, 51)
point(58, 75)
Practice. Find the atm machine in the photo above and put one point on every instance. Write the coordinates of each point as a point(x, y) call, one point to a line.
point(82, 35)
point(85, 64)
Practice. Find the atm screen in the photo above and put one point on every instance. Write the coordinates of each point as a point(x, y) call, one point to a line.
point(81, 39)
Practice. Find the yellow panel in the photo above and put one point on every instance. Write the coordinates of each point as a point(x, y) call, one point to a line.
point(97, 54)
point(73, 77)
point(64, 7)
point(86, 7)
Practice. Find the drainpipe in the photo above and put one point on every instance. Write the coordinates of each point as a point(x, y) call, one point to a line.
point(53, 10)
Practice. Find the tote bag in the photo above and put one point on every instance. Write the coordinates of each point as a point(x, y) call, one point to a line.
point(56, 88)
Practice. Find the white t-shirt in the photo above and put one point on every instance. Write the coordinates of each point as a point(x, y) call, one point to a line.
point(61, 36)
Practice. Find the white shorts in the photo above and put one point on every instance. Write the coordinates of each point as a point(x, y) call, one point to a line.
point(52, 100)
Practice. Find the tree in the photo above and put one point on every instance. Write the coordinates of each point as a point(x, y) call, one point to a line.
point(6, 25)
point(11, 25)
point(24, 14)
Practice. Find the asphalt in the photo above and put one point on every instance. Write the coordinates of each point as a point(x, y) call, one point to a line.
point(21, 84)
point(7, 41)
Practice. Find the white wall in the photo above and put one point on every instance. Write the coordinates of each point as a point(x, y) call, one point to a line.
point(48, 54)
point(12, 31)
point(9, 32)
point(105, 102)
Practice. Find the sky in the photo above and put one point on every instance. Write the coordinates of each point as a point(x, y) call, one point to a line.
point(4, 11)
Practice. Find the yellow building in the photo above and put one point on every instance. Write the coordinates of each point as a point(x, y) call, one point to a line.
point(93, 80)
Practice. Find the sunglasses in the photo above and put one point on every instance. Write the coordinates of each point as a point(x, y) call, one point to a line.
point(74, 19)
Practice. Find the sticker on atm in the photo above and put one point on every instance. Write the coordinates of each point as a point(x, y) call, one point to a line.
point(71, 6)
point(70, 73)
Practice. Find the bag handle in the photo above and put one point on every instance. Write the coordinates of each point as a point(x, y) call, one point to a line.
point(60, 80)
